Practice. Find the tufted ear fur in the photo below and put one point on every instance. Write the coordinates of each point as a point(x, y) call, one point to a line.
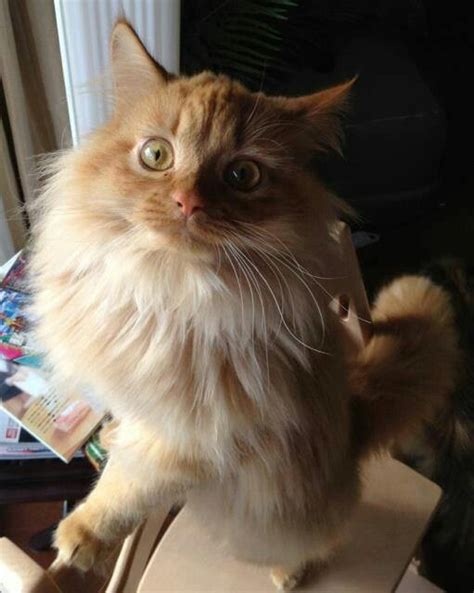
point(135, 72)
point(322, 112)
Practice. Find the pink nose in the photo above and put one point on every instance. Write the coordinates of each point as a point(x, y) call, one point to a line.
point(188, 202)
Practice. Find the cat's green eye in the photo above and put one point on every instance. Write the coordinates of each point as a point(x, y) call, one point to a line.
point(156, 154)
point(243, 175)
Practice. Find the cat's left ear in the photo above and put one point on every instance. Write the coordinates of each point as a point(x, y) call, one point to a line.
point(322, 113)
point(135, 72)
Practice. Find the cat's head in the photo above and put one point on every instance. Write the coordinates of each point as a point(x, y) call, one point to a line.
point(189, 164)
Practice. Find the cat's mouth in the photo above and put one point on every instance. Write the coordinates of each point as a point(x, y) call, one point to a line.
point(201, 229)
point(197, 233)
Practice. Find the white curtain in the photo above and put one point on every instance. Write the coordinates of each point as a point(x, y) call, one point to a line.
point(84, 31)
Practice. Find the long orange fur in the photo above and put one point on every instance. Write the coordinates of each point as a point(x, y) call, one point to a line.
point(206, 337)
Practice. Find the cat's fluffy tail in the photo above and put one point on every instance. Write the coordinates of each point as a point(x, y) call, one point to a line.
point(407, 372)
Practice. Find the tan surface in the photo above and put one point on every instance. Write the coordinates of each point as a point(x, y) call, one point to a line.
point(397, 504)
point(346, 282)
point(19, 522)
point(20, 574)
point(135, 554)
point(396, 507)
point(414, 583)
point(10, 195)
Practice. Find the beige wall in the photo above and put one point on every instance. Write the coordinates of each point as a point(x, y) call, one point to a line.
point(12, 227)
point(30, 68)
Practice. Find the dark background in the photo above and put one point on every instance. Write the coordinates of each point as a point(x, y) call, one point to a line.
point(407, 167)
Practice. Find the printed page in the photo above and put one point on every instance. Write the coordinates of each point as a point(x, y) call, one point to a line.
point(62, 423)
point(9, 429)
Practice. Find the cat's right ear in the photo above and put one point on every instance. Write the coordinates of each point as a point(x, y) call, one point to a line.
point(135, 72)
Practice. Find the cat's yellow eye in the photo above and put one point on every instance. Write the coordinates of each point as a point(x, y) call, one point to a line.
point(156, 154)
point(243, 175)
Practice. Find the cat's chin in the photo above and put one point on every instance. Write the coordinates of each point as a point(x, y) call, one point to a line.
point(184, 240)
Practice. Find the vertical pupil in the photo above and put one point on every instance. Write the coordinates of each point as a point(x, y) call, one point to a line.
point(157, 154)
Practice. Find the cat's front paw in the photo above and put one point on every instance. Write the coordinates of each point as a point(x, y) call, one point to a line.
point(287, 580)
point(78, 545)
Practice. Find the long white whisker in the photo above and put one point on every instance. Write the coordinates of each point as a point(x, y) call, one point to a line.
point(219, 259)
point(287, 260)
point(249, 284)
point(272, 294)
point(238, 283)
point(299, 277)
point(310, 292)
point(277, 273)
point(279, 276)
point(238, 263)
point(287, 250)
point(237, 255)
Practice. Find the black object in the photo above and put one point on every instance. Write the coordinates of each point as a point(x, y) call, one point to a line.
point(395, 133)
point(43, 540)
point(41, 480)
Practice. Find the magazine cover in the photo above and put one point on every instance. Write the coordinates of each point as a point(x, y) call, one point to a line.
point(12, 318)
point(26, 451)
point(15, 278)
point(9, 429)
point(61, 423)
point(16, 443)
point(16, 343)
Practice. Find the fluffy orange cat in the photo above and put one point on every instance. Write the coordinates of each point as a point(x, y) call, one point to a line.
point(177, 264)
